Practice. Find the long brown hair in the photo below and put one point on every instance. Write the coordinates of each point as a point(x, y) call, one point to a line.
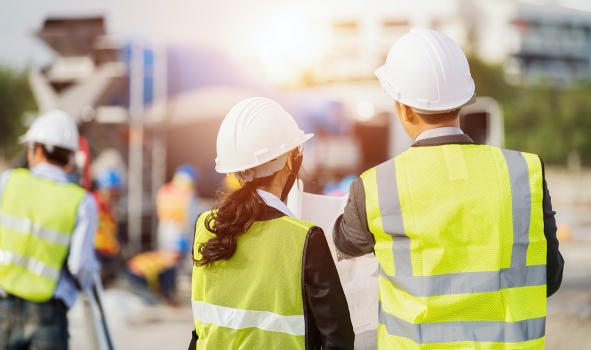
point(236, 214)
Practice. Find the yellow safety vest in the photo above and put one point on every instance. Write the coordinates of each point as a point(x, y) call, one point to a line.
point(36, 224)
point(460, 240)
point(254, 299)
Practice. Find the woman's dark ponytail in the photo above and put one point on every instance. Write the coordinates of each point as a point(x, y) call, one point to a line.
point(232, 218)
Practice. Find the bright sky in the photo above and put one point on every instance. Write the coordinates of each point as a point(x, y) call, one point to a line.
point(226, 23)
point(233, 25)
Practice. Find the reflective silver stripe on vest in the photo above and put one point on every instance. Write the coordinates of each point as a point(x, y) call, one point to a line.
point(391, 213)
point(470, 282)
point(476, 331)
point(240, 319)
point(26, 226)
point(521, 201)
point(32, 265)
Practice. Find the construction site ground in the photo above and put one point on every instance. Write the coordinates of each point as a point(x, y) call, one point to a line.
point(137, 326)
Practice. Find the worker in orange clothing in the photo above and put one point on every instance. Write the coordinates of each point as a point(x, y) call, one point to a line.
point(107, 194)
point(176, 204)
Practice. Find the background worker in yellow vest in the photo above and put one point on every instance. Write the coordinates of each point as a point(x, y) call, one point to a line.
point(464, 233)
point(47, 228)
point(263, 279)
point(177, 210)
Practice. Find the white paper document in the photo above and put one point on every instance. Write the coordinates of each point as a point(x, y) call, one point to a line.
point(359, 276)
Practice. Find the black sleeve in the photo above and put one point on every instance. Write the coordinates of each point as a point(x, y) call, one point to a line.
point(351, 234)
point(328, 322)
point(194, 232)
point(193, 344)
point(554, 260)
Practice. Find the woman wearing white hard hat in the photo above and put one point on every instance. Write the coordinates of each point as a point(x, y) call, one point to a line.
point(263, 279)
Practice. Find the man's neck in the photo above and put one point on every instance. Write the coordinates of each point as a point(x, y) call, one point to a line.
point(445, 131)
point(425, 127)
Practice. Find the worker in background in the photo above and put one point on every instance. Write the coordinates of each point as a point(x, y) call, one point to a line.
point(153, 274)
point(176, 204)
point(263, 279)
point(47, 228)
point(106, 194)
point(464, 233)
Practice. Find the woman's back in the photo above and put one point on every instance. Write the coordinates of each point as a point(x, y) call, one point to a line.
point(263, 280)
point(258, 289)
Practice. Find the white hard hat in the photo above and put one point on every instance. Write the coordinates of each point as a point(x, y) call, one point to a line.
point(53, 129)
point(427, 71)
point(255, 139)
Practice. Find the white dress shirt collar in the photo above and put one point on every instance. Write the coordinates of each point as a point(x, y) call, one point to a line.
point(445, 131)
point(272, 201)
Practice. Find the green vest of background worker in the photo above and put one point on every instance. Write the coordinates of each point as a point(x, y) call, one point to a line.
point(263, 279)
point(47, 228)
point(464, 233)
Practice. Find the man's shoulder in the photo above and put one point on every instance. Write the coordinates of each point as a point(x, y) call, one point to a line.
point(369, 172)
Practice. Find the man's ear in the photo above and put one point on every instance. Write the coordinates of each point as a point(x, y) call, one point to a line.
point(410, 115)
point(404, 111)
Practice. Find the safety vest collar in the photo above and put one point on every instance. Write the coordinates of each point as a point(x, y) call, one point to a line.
point(461, 139)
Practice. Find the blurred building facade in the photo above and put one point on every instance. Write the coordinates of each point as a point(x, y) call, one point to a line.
point(554, 42)
point(531, 39)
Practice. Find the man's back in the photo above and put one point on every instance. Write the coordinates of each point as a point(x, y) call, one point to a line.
point(458, 229)
point(37, 219)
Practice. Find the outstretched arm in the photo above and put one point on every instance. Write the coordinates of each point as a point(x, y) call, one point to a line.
point(351, 234)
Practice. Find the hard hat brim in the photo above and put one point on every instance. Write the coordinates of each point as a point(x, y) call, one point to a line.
point(24, 139)
point(305, 138)
point(380, 73)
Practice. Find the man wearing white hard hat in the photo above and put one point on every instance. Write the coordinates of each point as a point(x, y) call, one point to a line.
point(47, 228)
point(464, 233)
point(262, 278)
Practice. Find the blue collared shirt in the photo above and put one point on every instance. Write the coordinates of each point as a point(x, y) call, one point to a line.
point(82, 261)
